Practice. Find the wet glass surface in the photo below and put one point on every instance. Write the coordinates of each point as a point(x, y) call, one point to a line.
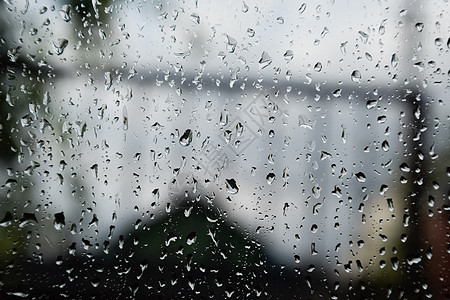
point(205, 149)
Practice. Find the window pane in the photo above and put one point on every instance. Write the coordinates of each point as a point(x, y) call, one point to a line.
point(195, 149)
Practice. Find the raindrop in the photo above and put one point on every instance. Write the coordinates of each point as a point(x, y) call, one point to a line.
point(155, 193)
point(231, 186)
point(390, 204)
point(7, 219)
point(244, 7)
point(356, 76)
point(364, 36)
point(385, 146)
point(171, 237)
point(227, 135)
point(361, 177)
point(231, 44)
point(265, 60)
point(26, 120)
point(59, 260)
point(191, 238)
point(270, 178)
point(371, 103)
point(438, 42)
point(59, 45)
point(28, 219)
point(239, 129)
point(394, 60)
point(383, 189)
point(318, 67)
point(108, 80)
point(65, 12)
point(302, 8)
point(414, 260)
point(195, 18)
point(101, 34)
point(419, 27)
point(125, 118)
point(60, 221)
point(316, 191)
point(337, 93)
point(404, 167)
point(186, 138)
point(288, 55)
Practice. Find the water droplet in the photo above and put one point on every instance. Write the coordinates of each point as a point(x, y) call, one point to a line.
point(195, 18)
point(371, 103)
point(385, 146)
point(265, 60)
point(361, 177)
point(364, 36)
point(26, 120)
point(231, 186)
point(108, 80)
point(28, 219)
point(404, 167)
point(7, 220)
point(414, 260)
point(186, 138)
point(227, 135)
point(223, 120)
point(65, 12)
point(239, 129)
point(125, 118)
point(390, 204)
point(102, 34)
point(316, 191)
point(337, 93)
point(394, 60)
point(302, 8)
point(171, 237)
point(288, 55)
point(191, 238)
point(356, 76)
point(60, 221)
point(383, 189)
point(59, 45)
point(244, 7)
point(59, 260)
point(270, 178)
point(231, 44)
point(318, 67)
point(95, 282)
point(419, 27)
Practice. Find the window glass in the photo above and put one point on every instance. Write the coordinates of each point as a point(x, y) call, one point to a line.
point(224, 149)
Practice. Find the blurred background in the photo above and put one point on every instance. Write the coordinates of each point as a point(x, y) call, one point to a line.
point(201, 149)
